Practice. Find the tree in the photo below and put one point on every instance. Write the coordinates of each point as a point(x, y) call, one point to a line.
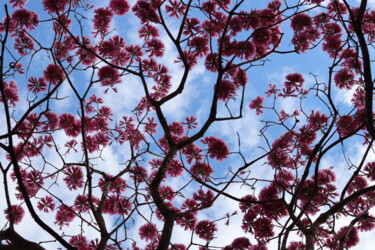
point(94, 173)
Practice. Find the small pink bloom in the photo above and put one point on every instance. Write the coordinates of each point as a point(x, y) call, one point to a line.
point(119, 7)
point(257, 104)
point(108, 76)
point(64, 216)
point(201, 171)
point(46, 204)
point(148, 231)
point(205, 230)
point(74, 177)
point(217, 148)
point(15, 212)
point(53, 74)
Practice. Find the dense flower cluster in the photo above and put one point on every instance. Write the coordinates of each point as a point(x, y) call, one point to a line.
point(217, 148)
point(205, 230)
point(148, 232)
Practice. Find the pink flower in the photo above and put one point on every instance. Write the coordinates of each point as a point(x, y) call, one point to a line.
point(200, 45)
point(119, 7)
point(226, 90)
point(317, 120)
point(14, 214)
point(117, 205)
point(332, 30)
point(134, 51)
point(351, 238)
point(191, 26)
point(245, 50)
point(175, 8)
point(23, 44)
point(370, 170)
point(34, 180)
point(64, 216)
point(205, 198)
point(257, 104)
point(191, 58)
point(101, 139)
point(81, 203)
point(138, 173)
point(176, 128)
point(365, 225)
point(52, 122)
point(108, 76)
point(190, 122)
point(150, 126)
point(346, 125)
point(332, 46)
point(11, 93)
point(74, 177)
point(274, 5)
point(321, 19)
point(148, 232)
point(300, 22)
point(74, 129)
point(167, 193)
point(192, 153)
point(201, 171)
point(344, 78)
point(108, 49)
point(87, 58)
point(306, 136)
point(148, 31)
point(155, 47)
point(272, 90)
point(189, 204)
point(358, 99)
point(79, 241)
point(102, 20)
point(247, 206)
point(55, 5)
point(263, 228)
point(23, 18)
point(178, 246)
point(239, 244)
point(205, 230)
point(217, 148)
point(146, 12)
point(63, 24)
point(296, 245)
point(18, 3)
point(175, 169)
point(188, 221)
point(46, 204)
point(36, 85)
point(294, 80)
point(66, 120)
point(53, 74)
point(236, 25)
point(336, 9)
point(240, 78)
point(357, 184)
point(117, 186)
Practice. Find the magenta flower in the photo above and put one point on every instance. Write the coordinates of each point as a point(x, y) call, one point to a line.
point(205, 230)
point(15, 213)
point(257, 104)
point(148, 231)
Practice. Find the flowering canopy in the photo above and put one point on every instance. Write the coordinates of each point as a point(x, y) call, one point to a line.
point(92, 154)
